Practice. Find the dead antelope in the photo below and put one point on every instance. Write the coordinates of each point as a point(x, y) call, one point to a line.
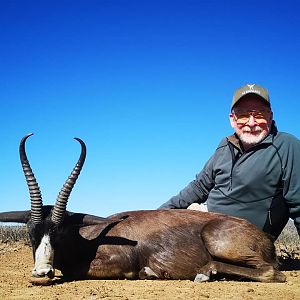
point(156, 244)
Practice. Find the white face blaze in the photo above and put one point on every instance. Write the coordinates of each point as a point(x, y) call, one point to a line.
point(44, 256)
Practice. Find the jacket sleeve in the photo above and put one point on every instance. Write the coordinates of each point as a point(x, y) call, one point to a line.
point(291, 181)
point(195, 191)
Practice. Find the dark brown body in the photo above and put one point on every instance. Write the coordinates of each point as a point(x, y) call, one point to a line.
point(173, 244)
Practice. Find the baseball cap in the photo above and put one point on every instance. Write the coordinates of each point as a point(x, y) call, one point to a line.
point(250, 89)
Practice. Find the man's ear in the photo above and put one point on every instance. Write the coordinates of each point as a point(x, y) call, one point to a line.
point(271, 116)
point(232, 120)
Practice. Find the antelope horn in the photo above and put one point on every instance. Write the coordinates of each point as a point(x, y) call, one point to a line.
point(34, 190)
point(63, 196)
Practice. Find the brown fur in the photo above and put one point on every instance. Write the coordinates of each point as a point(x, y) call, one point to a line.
point(179, 244)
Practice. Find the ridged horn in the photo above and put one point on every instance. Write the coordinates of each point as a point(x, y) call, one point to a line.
point(34, 190)
point(63, 196)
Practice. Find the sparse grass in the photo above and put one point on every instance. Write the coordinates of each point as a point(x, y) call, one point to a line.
point(288, 243)
point(11, 234)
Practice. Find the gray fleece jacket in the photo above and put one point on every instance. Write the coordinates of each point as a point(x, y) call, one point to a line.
point(261, 184)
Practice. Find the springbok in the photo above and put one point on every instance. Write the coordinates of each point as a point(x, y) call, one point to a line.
point(146, 244)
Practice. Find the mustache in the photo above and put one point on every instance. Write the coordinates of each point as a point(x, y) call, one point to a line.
point(253, 129)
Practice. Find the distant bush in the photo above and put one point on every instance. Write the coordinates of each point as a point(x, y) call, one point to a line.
point(9, 234)
point(288, 243)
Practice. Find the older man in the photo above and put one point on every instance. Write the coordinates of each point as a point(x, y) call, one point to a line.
point(255, 173)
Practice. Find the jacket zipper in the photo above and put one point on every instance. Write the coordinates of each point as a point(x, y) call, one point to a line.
point(234, 158)
point(269, 216)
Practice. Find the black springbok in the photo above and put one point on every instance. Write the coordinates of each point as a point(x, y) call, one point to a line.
point(154, 244)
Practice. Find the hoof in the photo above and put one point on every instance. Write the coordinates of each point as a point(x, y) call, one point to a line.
point(40, 280)
point(201, 278)
point(147, 273)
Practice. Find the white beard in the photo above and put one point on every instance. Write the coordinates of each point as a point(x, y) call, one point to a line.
point(252, 137)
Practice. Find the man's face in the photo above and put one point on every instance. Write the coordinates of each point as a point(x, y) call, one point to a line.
point(251, 119)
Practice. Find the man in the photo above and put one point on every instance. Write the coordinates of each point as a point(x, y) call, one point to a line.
point(255, 173)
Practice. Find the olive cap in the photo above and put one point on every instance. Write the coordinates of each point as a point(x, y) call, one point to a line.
point(250, 89)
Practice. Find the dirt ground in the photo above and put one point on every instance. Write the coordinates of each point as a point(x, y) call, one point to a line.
point(16, 263)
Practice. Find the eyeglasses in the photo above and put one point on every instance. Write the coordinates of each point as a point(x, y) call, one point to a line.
point(243, 117)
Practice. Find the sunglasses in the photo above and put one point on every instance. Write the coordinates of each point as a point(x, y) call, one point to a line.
point(244, 116)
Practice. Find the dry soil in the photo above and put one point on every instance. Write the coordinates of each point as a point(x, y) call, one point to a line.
point(16, 263)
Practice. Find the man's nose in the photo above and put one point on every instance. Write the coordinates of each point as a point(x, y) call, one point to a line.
point(251, 121)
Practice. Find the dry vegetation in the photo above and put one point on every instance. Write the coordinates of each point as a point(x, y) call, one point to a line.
point(10, 234)
point(288, 243)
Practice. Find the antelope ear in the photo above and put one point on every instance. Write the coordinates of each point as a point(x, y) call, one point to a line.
point(84, 219)
point(15, 216)
point(99, 229)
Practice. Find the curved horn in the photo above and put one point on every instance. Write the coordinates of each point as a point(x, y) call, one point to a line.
point(63, 196)
point(34, 190)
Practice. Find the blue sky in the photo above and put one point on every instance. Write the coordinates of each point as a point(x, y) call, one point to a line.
point(146, 84)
